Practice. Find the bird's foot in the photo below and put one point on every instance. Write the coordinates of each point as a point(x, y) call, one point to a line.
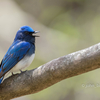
point(23, 71)
point(12, 73)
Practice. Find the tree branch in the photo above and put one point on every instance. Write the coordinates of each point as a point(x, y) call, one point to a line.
point(50, 73)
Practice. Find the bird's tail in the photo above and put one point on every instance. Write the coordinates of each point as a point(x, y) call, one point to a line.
point(1, 79)
point(0, 75)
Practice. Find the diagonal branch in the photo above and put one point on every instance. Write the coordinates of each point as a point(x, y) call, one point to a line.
point(50, 73)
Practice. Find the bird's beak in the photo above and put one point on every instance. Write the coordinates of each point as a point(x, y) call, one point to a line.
point(35, 33)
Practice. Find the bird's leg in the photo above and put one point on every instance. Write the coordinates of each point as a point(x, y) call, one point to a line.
point(12, 73)
point(21, 71)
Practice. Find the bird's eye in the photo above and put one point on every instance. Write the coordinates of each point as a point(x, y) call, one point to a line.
point(26, 32)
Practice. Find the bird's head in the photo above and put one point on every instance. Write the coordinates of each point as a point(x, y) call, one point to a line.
point(26, 33)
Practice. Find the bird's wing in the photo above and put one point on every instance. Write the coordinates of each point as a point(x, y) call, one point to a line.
point(13, 56)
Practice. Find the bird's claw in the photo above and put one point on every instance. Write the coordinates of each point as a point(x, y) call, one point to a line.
point(12, 73)
point(23, 71)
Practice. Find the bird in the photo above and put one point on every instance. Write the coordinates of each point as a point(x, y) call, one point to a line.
point(21, 52)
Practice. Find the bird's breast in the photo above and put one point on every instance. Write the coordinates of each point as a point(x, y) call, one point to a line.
point(25, 62)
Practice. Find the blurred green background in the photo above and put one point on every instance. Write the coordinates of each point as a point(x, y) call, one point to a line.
point(65, 26)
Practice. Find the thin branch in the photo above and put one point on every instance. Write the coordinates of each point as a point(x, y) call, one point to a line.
point(50, 73)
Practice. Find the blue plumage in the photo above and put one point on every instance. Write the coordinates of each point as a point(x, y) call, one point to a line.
point(21, 52)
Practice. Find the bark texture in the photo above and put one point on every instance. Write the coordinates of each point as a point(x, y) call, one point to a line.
point(35, 80)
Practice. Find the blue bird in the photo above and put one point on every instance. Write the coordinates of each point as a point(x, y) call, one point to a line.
point(21, 53)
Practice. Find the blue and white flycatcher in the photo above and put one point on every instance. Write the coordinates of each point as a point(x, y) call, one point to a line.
point(21, 53)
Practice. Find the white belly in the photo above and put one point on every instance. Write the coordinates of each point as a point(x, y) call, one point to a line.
point(25, 62)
